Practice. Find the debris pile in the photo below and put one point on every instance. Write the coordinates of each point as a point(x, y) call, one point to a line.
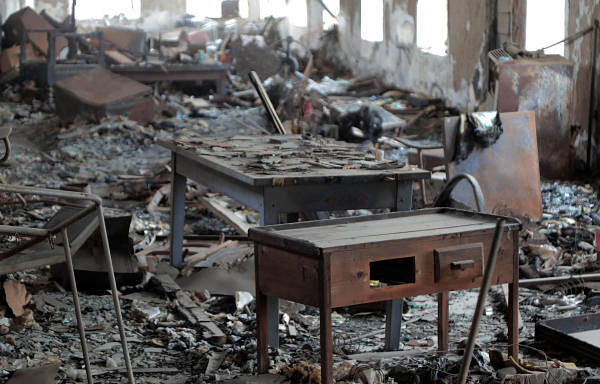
point(99, 131)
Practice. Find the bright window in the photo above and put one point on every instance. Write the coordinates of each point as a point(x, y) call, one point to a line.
point(275, 8)
point(432, 26)
point(545, 25)
point(94, 9)
point(371, 20)
point(295, 10)
point(334, 7)
point(203, 8)
point(244, 12)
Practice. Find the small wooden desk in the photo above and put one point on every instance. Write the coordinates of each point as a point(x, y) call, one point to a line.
point(288, 174)
point(332, 263)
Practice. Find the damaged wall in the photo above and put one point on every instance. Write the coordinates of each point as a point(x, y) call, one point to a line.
point(581, 14)
point(460, 76)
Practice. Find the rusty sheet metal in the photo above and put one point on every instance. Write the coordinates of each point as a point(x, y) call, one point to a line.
point(578, 334)
point(28, 19)
point(543, 85)
point(99, 92)
point(507, 170)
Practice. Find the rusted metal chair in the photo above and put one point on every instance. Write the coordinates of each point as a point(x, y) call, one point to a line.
point(17, 258)
point(4, 133)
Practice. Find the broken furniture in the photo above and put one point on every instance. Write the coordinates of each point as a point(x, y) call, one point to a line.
point(348, 261)
point(287, 174)
point(4, 133)
point(577, 334)
point(89, 265)
point(51, 70)
point(19, 259)
point(543, 85)
point(156, 73)
point(507, 170)
point(100, 93)
point(28, 22)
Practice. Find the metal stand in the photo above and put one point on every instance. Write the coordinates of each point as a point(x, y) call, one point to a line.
point(39, 235)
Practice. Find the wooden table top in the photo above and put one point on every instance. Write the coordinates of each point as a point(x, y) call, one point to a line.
point(315, 236)
point(290, 159)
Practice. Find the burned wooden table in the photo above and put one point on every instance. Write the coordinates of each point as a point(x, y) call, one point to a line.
point(287, 174)
point(342, 262)
point(175, 72)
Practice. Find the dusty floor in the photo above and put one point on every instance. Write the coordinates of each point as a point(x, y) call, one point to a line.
point(121, 161)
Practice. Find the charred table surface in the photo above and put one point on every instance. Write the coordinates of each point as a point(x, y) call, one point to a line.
point(286, 174)
point(289, 159)
point(341, 262)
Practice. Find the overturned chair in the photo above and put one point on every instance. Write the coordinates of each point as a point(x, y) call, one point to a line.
point(25, 254)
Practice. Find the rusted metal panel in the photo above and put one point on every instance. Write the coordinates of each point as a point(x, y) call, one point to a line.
point(28, 19)
point(507, 170)
point(97, 93)
point(543, 85)
point(578, 334)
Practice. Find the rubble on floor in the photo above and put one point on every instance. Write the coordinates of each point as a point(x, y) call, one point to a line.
point(197, 324)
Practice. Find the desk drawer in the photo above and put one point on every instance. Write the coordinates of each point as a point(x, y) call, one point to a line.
point(458, 263)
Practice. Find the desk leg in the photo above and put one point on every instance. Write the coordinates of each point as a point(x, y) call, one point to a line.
point(178, 184)
point(393, 319)
point(513, 319)
point(262, 323)
point(221, 86)
point(393, 324)
point(269, 216)
point(326, 333)
point(443, 327)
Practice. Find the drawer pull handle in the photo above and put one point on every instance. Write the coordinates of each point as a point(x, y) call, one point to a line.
point(462, 265)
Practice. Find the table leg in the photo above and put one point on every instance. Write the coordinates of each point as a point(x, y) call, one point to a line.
point(262, 323)
point(393, 324)
point(326, 333)
point(178, 185)
point(221, 86)
point(393, 319)
point(513, 319)
point(269, 216)
point(443, 327)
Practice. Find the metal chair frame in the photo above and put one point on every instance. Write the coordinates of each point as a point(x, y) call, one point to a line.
point(38, 235)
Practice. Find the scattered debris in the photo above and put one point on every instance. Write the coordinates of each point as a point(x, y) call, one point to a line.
point(16, 296)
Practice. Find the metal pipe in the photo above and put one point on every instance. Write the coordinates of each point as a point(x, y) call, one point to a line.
point(444, 196)
point(559, 279)
point(483, 291)
point(115, 295)
point(6, 149)
point(592, 110)
point(10, 188)
point(77, 305)
point(26, 231)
